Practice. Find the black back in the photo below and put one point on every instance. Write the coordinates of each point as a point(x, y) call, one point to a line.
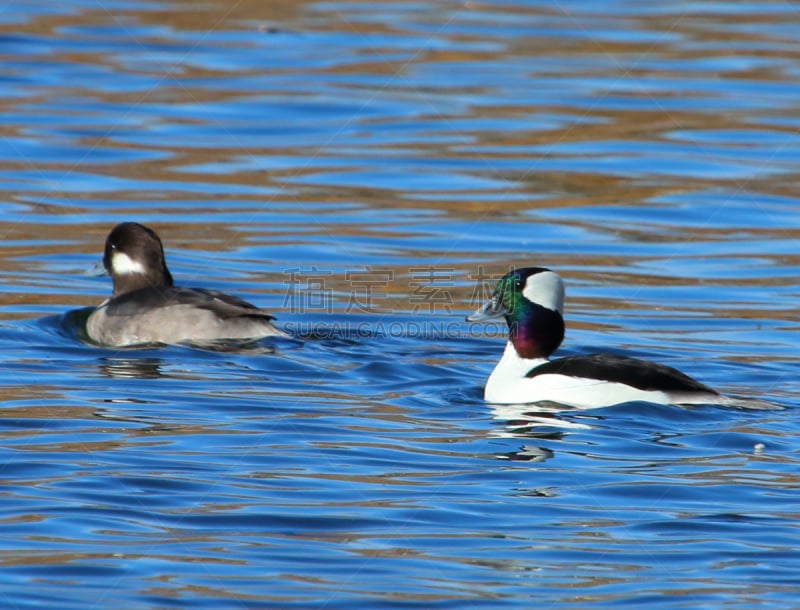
point(640, 374)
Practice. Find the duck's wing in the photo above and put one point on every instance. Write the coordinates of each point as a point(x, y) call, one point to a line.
point(224, 305)
point(641, 374)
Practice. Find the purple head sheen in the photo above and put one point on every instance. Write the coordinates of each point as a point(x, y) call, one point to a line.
point(536, 332)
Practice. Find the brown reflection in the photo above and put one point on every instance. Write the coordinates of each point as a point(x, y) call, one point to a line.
point(50, 233)
point(562, 189)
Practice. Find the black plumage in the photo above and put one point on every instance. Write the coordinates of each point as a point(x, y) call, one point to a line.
point(640, 374)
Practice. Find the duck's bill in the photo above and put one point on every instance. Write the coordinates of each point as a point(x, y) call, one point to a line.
point(95, 270)
point(490, 311)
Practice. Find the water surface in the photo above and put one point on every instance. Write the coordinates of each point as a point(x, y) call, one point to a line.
point(367, 171)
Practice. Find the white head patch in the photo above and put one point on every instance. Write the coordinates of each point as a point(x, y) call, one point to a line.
point(546, 289)
point(122, 264)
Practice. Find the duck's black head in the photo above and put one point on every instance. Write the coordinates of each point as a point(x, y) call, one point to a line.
point(134, 258)
point(531, 300)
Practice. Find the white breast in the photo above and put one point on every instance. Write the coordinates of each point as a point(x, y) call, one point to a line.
point(575, 392)
point(508, 384)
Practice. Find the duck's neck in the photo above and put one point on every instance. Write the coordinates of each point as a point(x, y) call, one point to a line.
point(510, 369)
point(129, 282)
point(515, 365)
point(536, 332)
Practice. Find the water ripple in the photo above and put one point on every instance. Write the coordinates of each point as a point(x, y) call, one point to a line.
point(367, 172)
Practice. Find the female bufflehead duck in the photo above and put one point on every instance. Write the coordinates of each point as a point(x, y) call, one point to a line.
point(145, 307)
point(532, 302)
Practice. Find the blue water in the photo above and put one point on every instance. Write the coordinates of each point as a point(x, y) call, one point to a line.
point(366, 171)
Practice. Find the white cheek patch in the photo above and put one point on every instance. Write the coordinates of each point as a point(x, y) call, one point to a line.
point(122, 264)
point(547, 289)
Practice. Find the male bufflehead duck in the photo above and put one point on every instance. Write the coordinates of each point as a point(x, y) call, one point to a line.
point(532, 302)
point(145, 307)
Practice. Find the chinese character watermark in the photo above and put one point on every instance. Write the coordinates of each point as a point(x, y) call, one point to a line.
point(306, 290)
point(366, 284)
point(430, 289)
point(429, 286)
point(483, 288)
